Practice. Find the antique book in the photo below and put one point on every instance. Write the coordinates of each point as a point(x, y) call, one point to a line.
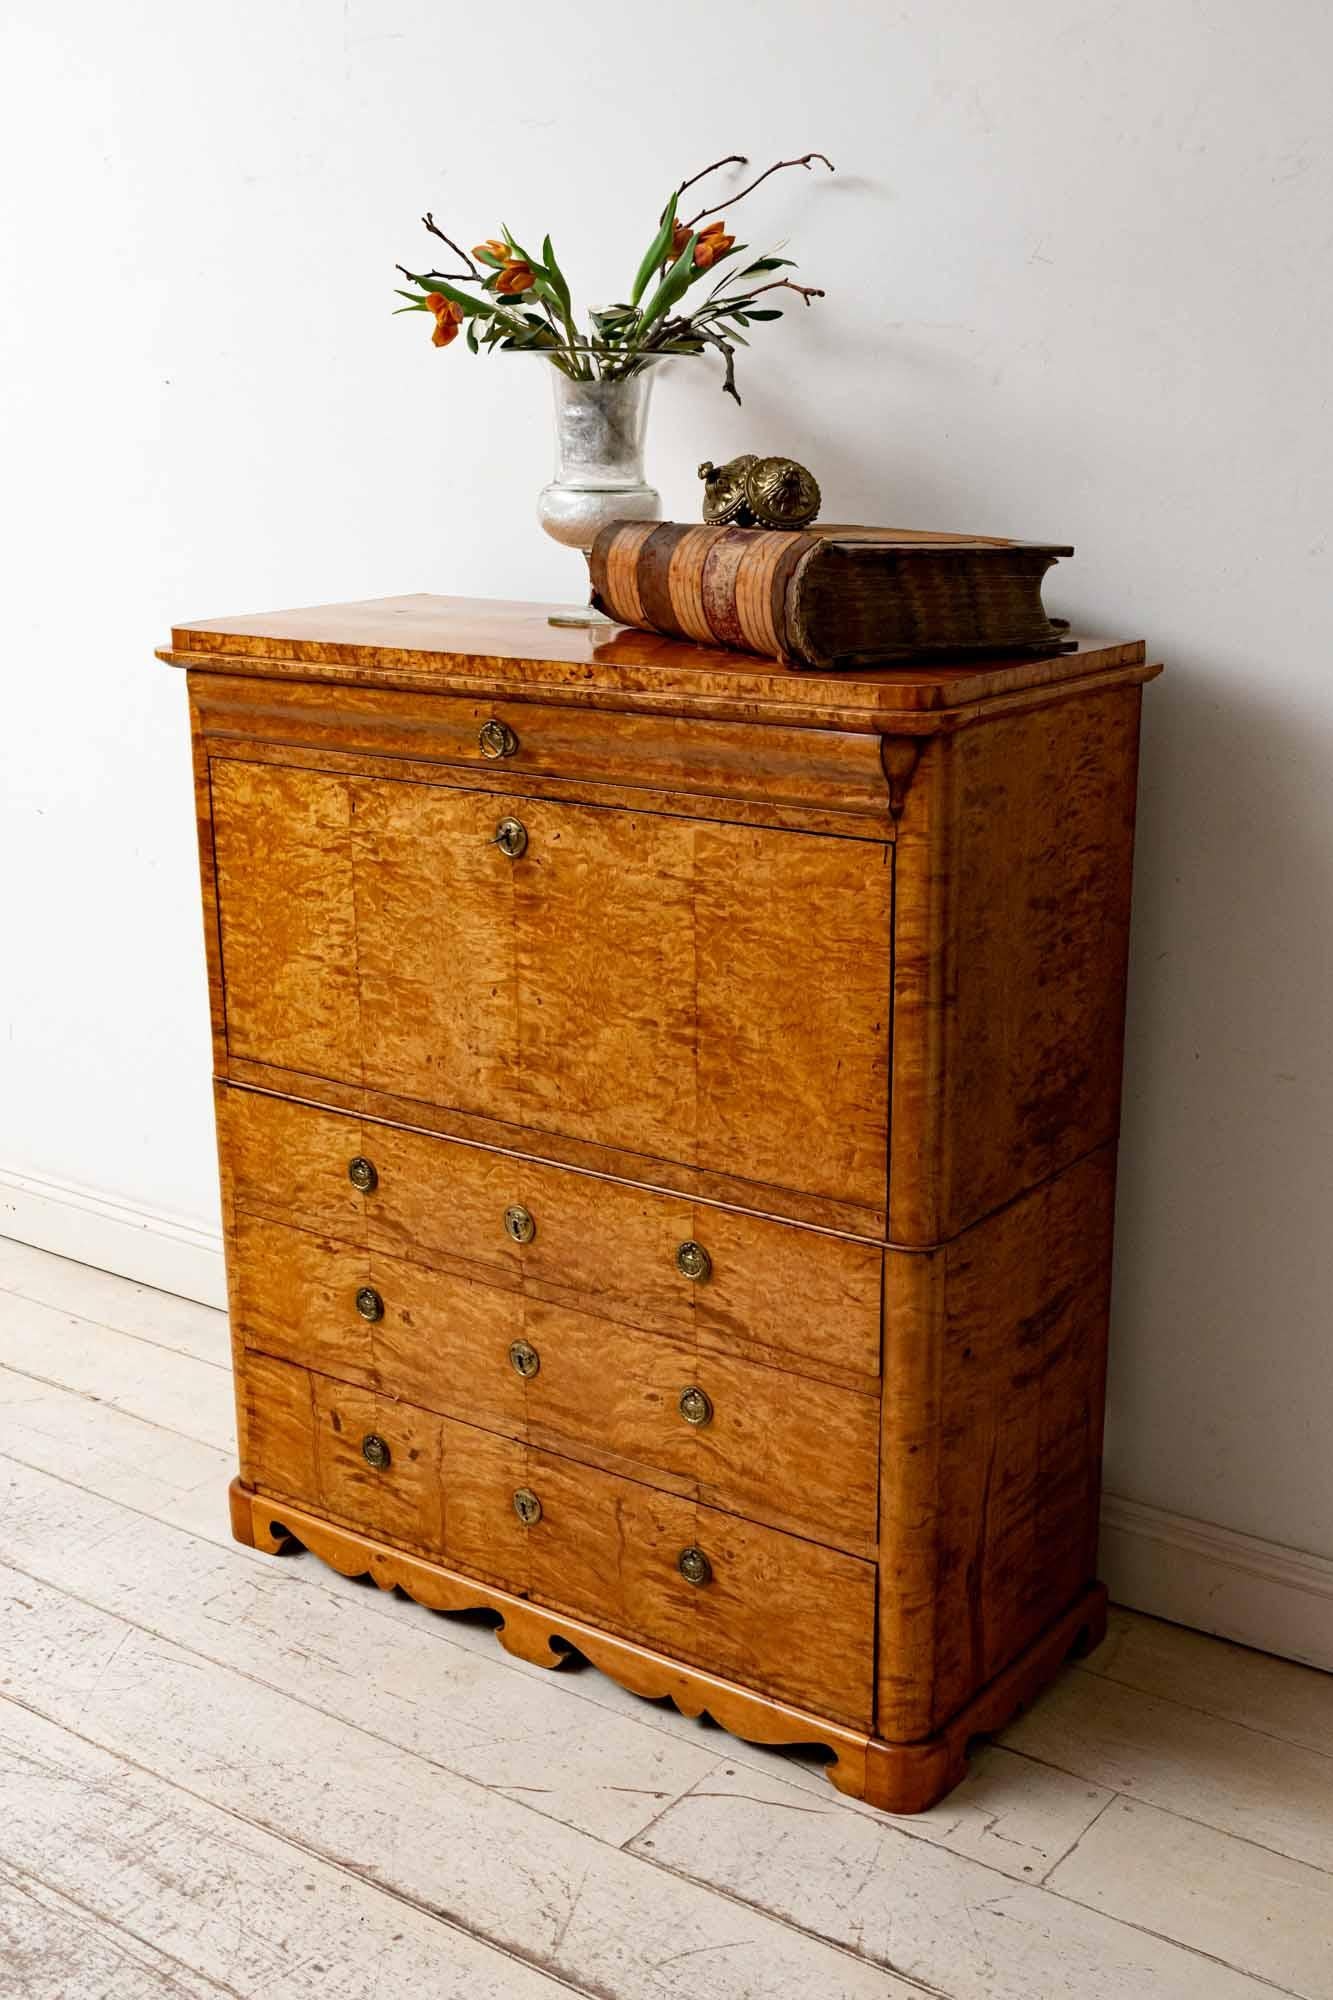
point(827, 596)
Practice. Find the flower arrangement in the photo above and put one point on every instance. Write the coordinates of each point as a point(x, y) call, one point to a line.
point(520, 301)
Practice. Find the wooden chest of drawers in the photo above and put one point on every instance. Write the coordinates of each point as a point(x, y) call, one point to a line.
point(667, 1109)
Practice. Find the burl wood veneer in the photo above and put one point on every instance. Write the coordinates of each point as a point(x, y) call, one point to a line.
point(667, 1109)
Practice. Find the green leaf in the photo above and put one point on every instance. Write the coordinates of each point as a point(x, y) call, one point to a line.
point(414, 305)
point(657, 251)
point(555, 276)
point(470, 335)
point(671, 288)
point(766, 264)
point(489, 257)
point(762, 312)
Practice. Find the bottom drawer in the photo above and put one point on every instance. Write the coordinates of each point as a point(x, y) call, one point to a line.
point(777, 1613)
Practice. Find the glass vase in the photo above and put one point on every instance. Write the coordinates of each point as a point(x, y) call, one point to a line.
point(599, 438)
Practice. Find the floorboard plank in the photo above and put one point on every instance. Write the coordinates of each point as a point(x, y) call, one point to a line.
point(1255, 1909)
point(173, 1390)
point(1277, 1697)
point(1198, 1766)
point(229, 1909)
point(107, 1300)
point(556, 1898)
point(933, 1916)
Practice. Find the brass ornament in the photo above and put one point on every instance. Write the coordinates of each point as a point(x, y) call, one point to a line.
point(694, 1565)
point(369, 1303)
point(527, 1506)
point(361, 1173)
point(724, 490)
point(754, 492)
point(695, 1406)
point(375, 1452)
point(693, 1261)
point(520, 1223)
point(524, 1359)
point(511, 837)
point(496, 739)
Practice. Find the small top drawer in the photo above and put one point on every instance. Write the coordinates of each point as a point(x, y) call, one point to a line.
point(732, 1281)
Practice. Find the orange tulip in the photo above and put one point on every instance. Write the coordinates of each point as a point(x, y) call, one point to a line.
point(713, 243)
point(492, 247)
point(516, 277)
point(448, 318)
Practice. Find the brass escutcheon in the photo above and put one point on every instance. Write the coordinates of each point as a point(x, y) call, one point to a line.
point(694, 1406)
point(497, 739)
point(693, 1261)
point(524, 1359)
point(527, 1506)
point(694, 1565)
point(369, 1303)
point(511, 837)
point(361, 1173)
point(519, 1223)
point(375, 1451)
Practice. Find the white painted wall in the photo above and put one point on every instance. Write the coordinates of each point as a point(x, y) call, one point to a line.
point(1078, 266)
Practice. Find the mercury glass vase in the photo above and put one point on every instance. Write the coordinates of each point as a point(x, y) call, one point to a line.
point(599, 436)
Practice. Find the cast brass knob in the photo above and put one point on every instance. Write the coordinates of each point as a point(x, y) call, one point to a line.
point(361, 1173)
point(527, 1506)
point(497, 739)
point(694, 1406)
point(694, 1565)
point(369, 1303)
point(524, 1359)
point(520, 1224)
point(375, 1451)
point(511, 837)
point(693, 1261)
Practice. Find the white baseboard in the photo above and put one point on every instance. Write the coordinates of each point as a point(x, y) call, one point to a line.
point(167, 1251)
point(1258, 1593)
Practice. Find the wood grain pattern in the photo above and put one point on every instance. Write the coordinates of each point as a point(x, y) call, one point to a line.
point(991, 1456)
point(1014, 866)
point(488, 647)
point(828, 780)
point(288, 919)
point(807, 1301)
point(664, 1022)
point(603, 1548)
point(780, 1449)
point(643, 981)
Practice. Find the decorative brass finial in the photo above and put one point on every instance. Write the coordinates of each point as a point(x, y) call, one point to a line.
point(752, 492)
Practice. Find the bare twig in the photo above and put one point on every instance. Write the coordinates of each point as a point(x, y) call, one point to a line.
point(732, 160)
point(807, 292)
point(471, 271)
point(777, 167)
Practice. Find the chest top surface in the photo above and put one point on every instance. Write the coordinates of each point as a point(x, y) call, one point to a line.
point(490, 646)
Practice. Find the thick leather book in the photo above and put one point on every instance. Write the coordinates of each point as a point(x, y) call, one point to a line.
point(827, 596)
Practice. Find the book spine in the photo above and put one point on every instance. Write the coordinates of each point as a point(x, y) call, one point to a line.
point(719, 586)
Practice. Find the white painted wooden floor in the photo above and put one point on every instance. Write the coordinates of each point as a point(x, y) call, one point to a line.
point(225, 1775)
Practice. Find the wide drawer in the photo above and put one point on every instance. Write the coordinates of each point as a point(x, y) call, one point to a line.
point(677, 989)
point(783, 1449)
point(770, 1289)
point(780, 1614)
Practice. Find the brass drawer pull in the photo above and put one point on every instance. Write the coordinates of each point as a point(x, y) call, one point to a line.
point(511, 837)
point(520, 1225)
point(695, 1406)
point(361, 1173)
point(375, 1451)
point(369, 1303)
point(693, 1261)
point(694, 1565)
point(527, 1506)
point(524, 1359)
point(497, 739)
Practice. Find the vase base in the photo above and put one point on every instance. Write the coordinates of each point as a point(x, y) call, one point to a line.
point(577, 620)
